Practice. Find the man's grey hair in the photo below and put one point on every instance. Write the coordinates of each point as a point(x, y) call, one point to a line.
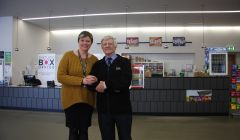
point(109, 37)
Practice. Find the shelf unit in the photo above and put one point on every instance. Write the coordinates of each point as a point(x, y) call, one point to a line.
point(235, 90)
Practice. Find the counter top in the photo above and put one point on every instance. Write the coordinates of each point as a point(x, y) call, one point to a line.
point(23, 86)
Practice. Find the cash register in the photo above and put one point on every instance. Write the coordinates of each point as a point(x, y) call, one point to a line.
point(30, 80)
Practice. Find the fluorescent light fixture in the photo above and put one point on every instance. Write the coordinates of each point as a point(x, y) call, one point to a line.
point(135, 13)
point(150, 29)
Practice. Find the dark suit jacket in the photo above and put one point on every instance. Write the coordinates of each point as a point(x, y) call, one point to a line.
point(116, 98)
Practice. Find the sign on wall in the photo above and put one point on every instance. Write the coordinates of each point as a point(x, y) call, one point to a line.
point(155, 41)
point(46, 68)
point(132, 41)
point(8, 64)
point(179, 41)
point(7, 67)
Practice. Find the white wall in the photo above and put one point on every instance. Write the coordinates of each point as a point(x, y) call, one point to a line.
point(6, 33)
point(6, 43)
point(32, 40)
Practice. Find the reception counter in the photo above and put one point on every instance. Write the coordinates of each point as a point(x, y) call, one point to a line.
point(160, 96)
point(167, 96)
point(30, 98)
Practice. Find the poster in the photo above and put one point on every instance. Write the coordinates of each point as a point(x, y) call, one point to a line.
point(8, 65)
point(179, 41)
point(155, 41)
point(132, 41)
point(46, 68)
point(198, 95)
point(1, 71)
point(8, 58)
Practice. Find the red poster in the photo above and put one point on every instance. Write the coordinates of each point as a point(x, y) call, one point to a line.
point(155, 41)
point(132, 41)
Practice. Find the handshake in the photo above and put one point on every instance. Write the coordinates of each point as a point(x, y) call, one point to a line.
point(90, 79)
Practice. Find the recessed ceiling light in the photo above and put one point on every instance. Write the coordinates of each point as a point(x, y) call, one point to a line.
point(151, 29)
point(136, 13)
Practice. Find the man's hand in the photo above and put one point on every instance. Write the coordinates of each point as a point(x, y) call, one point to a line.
point(101, 87)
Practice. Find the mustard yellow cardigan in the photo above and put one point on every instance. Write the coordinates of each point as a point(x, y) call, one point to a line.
point(70, 75)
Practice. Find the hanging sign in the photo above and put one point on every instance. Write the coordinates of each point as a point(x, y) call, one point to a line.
point(230, 47)
point(179, 41)
point(155, 41)
point(132, 41)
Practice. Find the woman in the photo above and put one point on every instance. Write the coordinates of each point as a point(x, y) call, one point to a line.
point(77, 100)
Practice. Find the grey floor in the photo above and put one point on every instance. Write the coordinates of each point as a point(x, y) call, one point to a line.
point(29, 125)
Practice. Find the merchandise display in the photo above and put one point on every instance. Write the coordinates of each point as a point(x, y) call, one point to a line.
point(137, 72)
point(153, 69)
point(235, 90)
point(137, 76)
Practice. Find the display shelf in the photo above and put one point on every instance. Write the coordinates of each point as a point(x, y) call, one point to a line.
point(156, 68)
point(235, 90)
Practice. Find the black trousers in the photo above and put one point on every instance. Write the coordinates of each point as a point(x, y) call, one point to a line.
point(78, 134)
point(78, 119)
point(107, 124)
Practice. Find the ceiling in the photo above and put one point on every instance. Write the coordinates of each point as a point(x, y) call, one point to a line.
point(43, 8)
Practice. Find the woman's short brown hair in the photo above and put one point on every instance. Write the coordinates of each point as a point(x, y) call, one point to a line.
point(85, 34)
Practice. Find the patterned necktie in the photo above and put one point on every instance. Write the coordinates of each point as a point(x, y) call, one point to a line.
point(109, 61)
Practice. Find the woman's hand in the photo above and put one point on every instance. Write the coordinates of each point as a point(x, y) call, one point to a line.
point(90, 79)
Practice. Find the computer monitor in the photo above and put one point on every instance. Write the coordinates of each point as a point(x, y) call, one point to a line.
point(30, 80)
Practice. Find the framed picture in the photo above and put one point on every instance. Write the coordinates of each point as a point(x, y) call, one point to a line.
point(132, 41)
point(189, 68)
point(155, 41)
point(179, 41)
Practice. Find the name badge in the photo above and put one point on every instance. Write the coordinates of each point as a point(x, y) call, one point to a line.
point(118, 68)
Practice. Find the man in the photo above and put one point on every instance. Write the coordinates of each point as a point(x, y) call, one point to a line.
point(114, 76)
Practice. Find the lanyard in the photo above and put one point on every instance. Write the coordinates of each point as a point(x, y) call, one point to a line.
point(83, 64)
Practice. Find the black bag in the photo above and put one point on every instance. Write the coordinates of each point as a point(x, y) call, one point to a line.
point(51, 83)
